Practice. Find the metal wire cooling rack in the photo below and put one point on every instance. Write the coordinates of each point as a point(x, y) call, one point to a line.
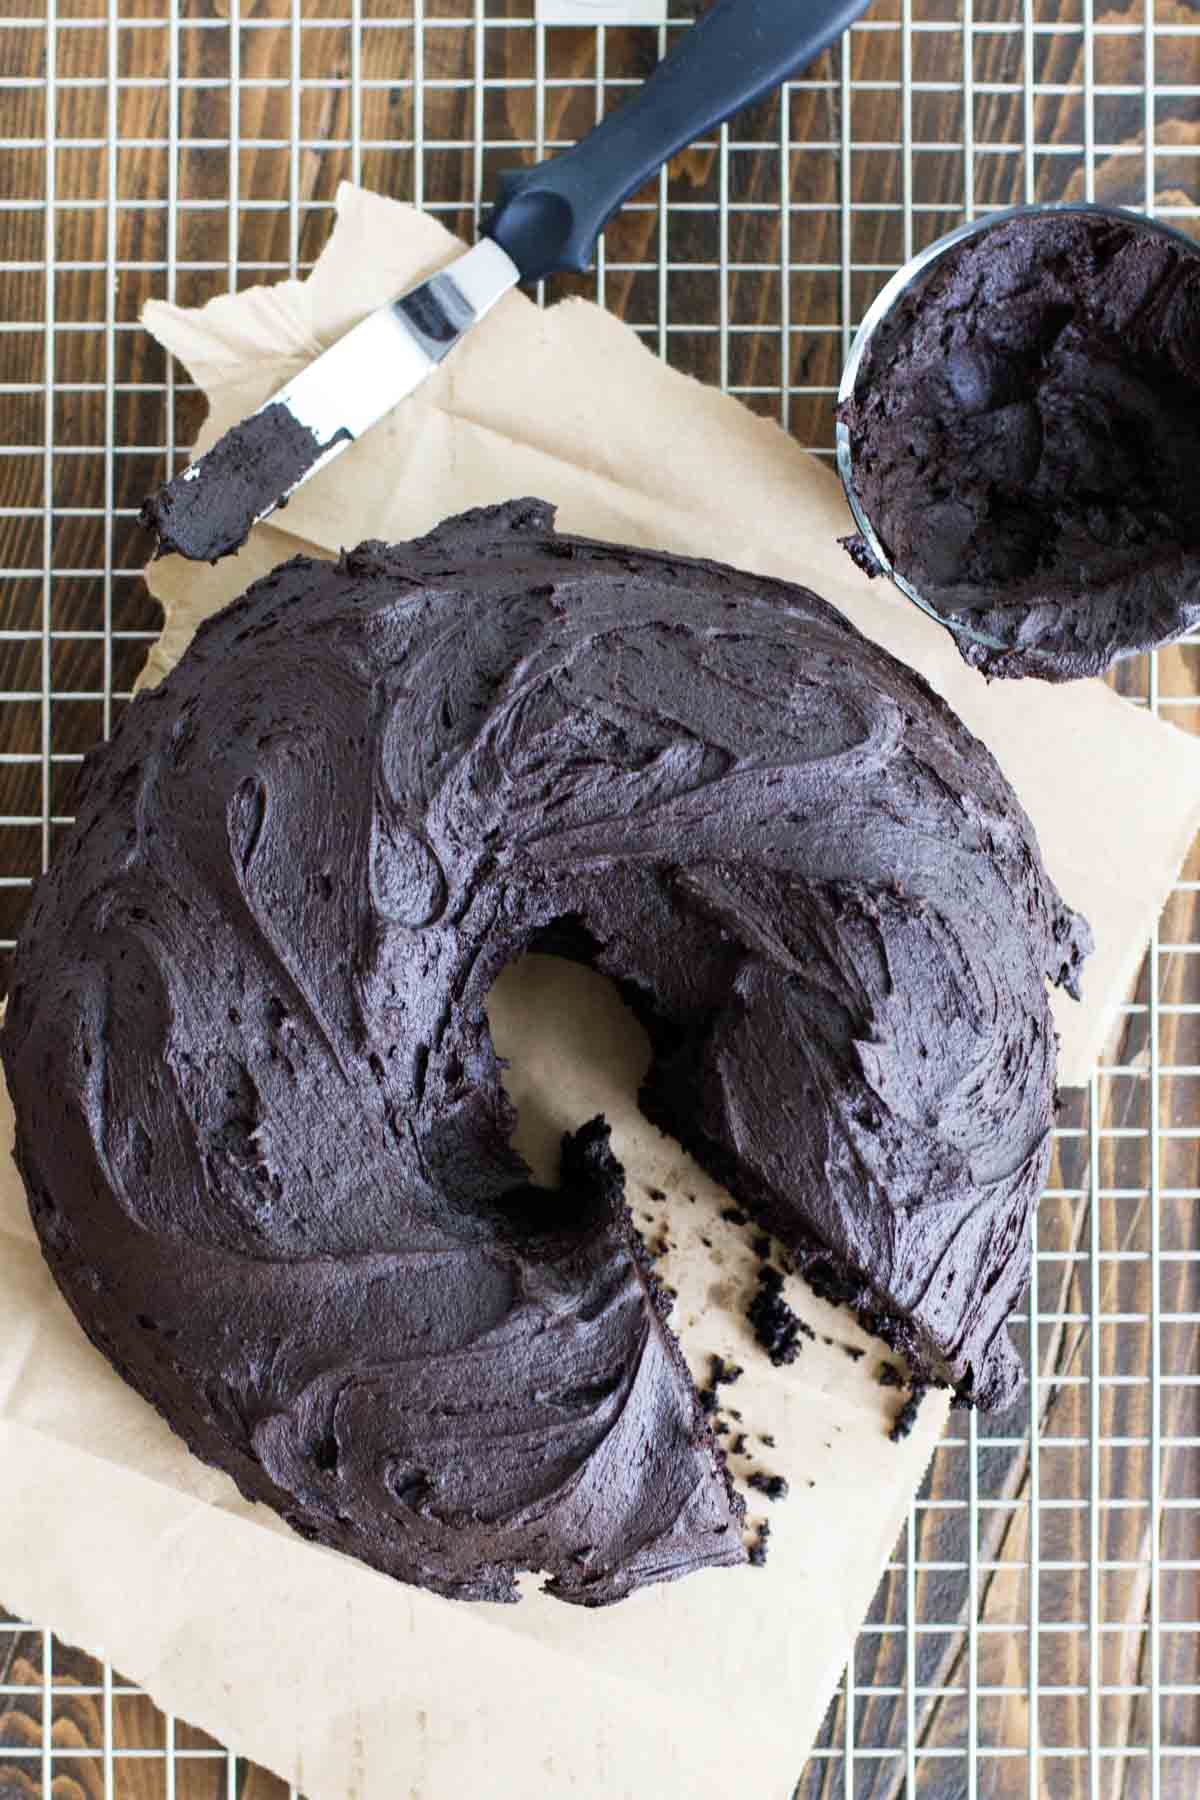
point(1037, 1631)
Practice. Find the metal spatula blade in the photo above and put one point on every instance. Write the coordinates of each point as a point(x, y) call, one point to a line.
point(207, 511)
point(547, 218)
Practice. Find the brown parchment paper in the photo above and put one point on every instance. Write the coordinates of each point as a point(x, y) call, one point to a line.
point(346, 1683)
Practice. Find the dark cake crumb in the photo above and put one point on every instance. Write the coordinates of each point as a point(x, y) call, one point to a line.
point(854, 1352)
point(906, 1418)
point(861, 553)
point(734, 1215)
point(777, 1328)
point(656, 1193)
point(765, 1437)
point(758, 1548)
point(721, 1374)
point(773, 1486)
point(761, 1247)
point(738, 1446)
point(889, 1376)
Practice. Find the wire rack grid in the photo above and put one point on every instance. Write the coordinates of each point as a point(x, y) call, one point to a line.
point(1036, 1632)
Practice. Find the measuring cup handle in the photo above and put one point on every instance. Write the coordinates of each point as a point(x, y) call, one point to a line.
point(549, 217)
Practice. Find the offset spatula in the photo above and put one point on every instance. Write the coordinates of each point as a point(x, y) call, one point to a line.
point(547, 218)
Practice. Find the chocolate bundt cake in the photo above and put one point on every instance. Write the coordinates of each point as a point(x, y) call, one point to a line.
point(260, 1117)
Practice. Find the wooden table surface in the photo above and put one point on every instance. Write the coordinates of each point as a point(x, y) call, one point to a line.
point(281, 222)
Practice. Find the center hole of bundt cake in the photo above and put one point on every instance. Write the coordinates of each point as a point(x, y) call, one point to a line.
point(571, 1047)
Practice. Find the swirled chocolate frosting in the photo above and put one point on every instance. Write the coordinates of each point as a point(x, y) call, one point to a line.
point(1025, 436)
point(259, 1114)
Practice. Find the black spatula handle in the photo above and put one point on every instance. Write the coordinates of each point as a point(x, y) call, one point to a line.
point(548, 217)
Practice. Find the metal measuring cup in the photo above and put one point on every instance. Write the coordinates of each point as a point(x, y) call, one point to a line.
point(871, 553)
